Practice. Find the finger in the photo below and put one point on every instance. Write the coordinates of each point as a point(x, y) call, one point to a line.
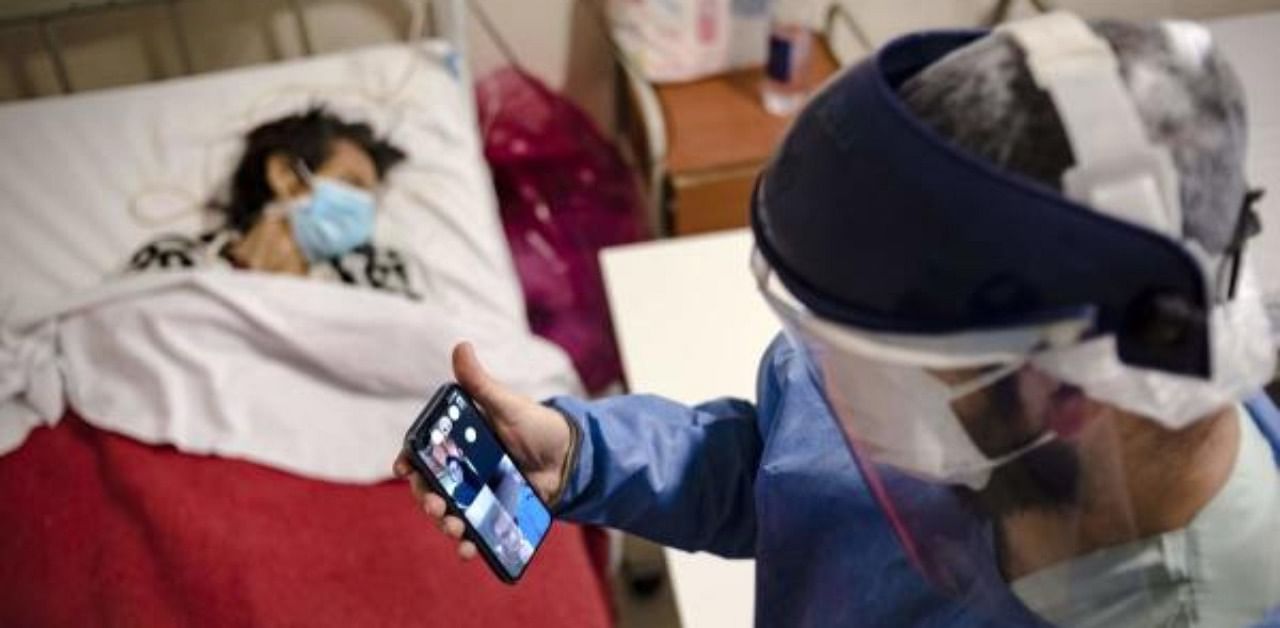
point(434, 505)
point(473, 378)
point(453, 527)
point(401, 466)
point(467, 550)
point(419, 486)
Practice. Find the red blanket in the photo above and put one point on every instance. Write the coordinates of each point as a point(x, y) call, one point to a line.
point(98, 529)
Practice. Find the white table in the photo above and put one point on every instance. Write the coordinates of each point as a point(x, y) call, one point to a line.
point(692, 327)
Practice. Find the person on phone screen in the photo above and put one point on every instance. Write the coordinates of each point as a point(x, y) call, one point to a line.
point(465, 480)
point(1020, 377)
point(518, 499)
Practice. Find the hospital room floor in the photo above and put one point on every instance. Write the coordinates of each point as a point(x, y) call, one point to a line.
point(656, 609)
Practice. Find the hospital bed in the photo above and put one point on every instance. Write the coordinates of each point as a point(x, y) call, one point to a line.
point(214, 448)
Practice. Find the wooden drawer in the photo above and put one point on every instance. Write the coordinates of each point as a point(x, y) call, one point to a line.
point(712, 201)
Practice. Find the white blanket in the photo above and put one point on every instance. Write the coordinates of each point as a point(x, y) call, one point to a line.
point(317, 379)
point(320, 380)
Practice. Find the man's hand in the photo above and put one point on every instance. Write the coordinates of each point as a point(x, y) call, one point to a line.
point(538, 438)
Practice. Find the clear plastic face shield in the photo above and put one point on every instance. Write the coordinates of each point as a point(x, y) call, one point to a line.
point(1014, 491)
point(1030, 474)
point(939, 429)
point(924, 405)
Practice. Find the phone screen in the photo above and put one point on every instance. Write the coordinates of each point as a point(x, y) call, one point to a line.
point(473, 468)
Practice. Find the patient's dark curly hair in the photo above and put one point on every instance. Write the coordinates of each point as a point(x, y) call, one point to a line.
point(308, 136)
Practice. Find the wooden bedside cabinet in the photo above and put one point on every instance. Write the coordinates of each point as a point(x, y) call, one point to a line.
point(714, 137)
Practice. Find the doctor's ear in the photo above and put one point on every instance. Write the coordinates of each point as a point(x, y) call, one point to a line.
point(282, 177)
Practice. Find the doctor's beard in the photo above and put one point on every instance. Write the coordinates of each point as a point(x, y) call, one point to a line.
point(1045, 478)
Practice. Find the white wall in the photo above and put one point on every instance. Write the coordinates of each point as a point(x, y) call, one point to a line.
point(562, 41)
point(559, 40)
point(884, 19)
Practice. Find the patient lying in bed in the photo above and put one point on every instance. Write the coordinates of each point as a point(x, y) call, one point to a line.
point(301, 202)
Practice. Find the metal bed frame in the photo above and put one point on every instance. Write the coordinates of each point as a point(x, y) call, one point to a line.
point(447, 19)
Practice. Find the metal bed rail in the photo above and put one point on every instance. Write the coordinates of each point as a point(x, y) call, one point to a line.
point(447, 19)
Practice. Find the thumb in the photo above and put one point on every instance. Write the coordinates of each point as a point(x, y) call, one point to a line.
point(474, 379)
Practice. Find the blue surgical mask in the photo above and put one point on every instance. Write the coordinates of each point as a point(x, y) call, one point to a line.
point(335, 219)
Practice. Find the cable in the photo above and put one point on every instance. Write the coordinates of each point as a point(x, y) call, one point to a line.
point(838, 12)
point(492, 31)
point(393, 99)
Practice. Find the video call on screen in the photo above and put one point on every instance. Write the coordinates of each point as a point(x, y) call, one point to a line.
point(484, 482)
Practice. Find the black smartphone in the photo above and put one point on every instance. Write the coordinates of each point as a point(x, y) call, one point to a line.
point(451, 446)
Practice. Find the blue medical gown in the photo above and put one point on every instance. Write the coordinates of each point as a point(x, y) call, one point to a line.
point(773, 481)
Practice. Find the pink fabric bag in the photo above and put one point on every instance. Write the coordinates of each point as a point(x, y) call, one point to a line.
point(564, 194)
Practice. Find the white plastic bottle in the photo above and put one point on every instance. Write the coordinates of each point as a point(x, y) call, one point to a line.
point(786, 82)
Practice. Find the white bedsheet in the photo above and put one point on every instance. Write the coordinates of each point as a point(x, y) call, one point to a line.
point(316, 379)
point(1252, 44)
point(313, 378)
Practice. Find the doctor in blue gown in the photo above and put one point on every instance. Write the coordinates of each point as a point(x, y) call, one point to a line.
point(1018, 379)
